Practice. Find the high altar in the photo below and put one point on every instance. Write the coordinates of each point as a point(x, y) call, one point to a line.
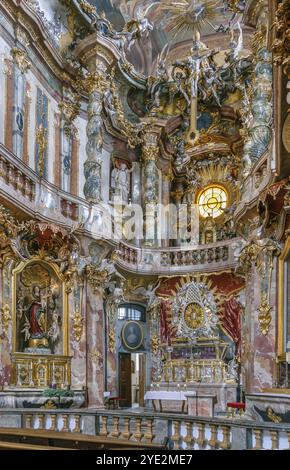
point(195, 359)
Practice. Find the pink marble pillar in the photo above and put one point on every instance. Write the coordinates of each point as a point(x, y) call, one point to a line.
point(77, 348)
point(112, 379)
point(95, 346)
point(258, 355)
point(6, 326)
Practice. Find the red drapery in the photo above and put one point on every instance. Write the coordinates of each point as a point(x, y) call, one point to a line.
point(230, 317)
point(165, 322)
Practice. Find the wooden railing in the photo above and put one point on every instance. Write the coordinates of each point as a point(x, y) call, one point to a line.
point(181, 432)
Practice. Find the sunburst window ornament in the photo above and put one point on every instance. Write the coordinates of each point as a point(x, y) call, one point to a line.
point(212, 201)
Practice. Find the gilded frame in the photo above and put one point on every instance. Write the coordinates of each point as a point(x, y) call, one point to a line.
point(281, 306)
point(124, 341)
point(65, 304)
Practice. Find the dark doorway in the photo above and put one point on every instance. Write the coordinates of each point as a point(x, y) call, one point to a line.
point(125, 385)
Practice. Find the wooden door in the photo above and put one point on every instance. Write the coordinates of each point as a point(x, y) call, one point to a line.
point(142, 378)
point(125, 383)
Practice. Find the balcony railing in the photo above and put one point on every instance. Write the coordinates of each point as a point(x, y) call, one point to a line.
point(215, 257)
point(38, 198)
point(180, 431)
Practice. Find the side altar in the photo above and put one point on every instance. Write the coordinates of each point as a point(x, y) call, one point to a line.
point(41, 291)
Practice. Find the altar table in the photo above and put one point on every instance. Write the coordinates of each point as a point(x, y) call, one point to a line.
point(162, 395)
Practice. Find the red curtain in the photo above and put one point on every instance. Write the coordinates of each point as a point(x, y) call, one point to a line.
point(165, 322)
point(231, 322)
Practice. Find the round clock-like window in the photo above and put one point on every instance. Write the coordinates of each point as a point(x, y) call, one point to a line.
point(132, 335)
point(212, 201)
point(194, 315)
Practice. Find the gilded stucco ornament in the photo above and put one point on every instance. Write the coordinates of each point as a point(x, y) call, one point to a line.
point(42, 141)
point(5, 319)
point(87, 7)
point(97, 358)
point(155, 344)
point(264, 316)
point(259, 252)
point(78, 325)
point(20, 58)
point(281, 45)
point(195, 311)
point(70, 107)
point(114, 108)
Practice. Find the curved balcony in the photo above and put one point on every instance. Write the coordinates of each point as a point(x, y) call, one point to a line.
point(22, 188)
point(182, 260)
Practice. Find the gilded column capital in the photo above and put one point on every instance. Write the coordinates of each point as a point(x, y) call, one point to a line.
point(96, 277)
point(150, 153)
point(96, 81)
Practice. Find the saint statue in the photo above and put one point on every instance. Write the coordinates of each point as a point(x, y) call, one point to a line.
point(121, 182)
point(36, 315)
point(41, 319)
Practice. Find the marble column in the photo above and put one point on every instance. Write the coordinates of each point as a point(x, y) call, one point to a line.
point(150, 152)
point(258, 114)
point(99, 56)
point(21, 66)
point(165, 232)
point(95, 137)
point(66, 150)
point(259, 330)
point(95, 345)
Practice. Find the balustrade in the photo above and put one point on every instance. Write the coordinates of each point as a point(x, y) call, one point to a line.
point(184, 432)
point(161, 261)
point(17, 179)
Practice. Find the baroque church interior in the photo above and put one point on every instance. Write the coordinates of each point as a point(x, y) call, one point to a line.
point(145, 223)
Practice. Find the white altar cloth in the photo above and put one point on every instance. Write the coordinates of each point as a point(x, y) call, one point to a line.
point(164, 395)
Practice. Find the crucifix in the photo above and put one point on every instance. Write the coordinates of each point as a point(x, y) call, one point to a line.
point(198, 52)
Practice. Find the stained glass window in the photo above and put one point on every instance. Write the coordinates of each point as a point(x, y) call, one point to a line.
point(212, 201)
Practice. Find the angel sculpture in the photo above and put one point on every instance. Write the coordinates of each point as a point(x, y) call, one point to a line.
point(236, 46)
point(116, 295)
point(26, 329)
point(157, 83)
point(149, 294)
point(54, 330)
point(134, 29)
point(233, 370)
point(209, 82)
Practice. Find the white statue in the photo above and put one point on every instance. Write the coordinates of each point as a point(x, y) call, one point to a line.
point(120, 182)
point(149, 293)
point(54, 330)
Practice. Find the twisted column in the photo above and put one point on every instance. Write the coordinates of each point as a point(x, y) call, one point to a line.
point(95, 84)
point(258, 116)
point(99, 56)
point(150, 153)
